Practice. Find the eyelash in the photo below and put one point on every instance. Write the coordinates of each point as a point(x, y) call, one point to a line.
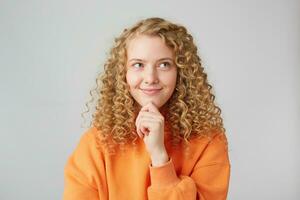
point(168, 64)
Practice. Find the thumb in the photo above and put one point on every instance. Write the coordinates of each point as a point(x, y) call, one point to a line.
point(150, 107)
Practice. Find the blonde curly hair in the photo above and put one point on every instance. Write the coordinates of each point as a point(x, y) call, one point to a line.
point(190, 112)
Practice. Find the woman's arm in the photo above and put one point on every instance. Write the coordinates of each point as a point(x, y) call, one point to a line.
point(84, 172)
point(209, 179)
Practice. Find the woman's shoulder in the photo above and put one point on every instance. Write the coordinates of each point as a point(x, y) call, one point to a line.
point(90, 132)
point(214, 149)
point(215, 140)
point(88, 141)
point(89, 135)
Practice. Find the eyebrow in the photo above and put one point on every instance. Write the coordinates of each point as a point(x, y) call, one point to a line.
point(158, 59)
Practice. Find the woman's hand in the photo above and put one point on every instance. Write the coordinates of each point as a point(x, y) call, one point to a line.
point(150, 127)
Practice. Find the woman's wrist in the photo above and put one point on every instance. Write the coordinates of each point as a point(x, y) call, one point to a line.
point(159, 158)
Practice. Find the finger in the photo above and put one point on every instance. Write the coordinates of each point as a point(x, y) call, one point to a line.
point(142, 131)
point(151, 115)
point(150, 107)
point(148, 114)
point(139, 133)
point(145, 131)
point(145, 108)
point(137, 120)
point(146, 124)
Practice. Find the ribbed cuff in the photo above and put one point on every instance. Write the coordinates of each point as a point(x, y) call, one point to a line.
point(164, 176)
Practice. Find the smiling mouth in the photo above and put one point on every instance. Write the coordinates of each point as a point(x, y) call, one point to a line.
point(151, 92)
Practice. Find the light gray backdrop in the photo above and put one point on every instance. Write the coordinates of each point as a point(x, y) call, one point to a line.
point(51, 52)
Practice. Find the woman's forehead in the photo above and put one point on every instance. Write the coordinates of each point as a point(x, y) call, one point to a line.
point(144, 46)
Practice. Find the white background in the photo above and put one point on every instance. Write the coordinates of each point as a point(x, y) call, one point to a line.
point(51, 52)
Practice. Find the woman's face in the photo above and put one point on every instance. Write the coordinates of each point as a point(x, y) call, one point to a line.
point(151, 71)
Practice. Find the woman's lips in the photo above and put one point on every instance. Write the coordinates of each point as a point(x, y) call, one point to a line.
point(151, 92)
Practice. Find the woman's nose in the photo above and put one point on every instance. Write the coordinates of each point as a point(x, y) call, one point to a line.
point(150, 75)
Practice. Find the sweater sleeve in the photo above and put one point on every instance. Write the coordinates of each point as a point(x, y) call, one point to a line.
point(209, 179)
point(82, 179)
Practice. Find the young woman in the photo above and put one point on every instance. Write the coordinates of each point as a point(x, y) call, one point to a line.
point(156, 133)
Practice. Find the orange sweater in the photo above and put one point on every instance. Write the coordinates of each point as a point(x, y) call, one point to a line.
point(91, 174)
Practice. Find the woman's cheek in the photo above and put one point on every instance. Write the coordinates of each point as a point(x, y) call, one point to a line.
point(133, 79)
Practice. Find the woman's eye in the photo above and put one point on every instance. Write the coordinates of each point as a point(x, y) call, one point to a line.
point(164, 63)
point(161, 65)
point(136, 65)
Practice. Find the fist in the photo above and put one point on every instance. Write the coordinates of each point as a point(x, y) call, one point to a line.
point(150, 127)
